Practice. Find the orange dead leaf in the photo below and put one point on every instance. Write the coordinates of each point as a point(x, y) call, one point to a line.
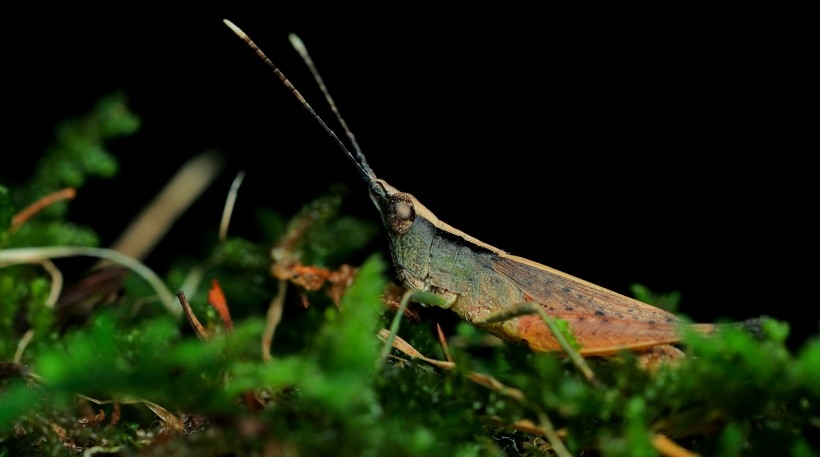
point(65, 438)
point(116, 413)
point(311, 278)
point(392, 298)
point(217, 299)
point(340, 280)
point(92, 421)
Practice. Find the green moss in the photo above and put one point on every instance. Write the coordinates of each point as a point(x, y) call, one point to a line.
point(79, 149)
point(6, 209)
point(668, 301)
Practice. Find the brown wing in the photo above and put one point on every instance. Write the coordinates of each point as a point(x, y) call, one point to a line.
point(563, 294)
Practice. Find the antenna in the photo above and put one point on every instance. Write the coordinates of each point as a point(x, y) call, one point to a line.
point(300, 47)
point(361, 163)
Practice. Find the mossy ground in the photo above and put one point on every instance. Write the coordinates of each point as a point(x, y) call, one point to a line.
point(116, 373)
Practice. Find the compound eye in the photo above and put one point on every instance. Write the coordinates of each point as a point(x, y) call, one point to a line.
point(400, 214)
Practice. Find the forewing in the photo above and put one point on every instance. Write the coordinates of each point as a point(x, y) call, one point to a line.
point(562, 294)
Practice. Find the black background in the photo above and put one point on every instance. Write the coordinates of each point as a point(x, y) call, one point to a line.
point(655, 146)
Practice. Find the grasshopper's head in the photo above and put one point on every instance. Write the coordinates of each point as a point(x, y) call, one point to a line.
point(398, 209)
point(410, 228)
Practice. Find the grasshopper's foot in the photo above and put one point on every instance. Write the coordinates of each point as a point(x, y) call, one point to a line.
point(443, 299)
point(653, 358)
point(511, 312)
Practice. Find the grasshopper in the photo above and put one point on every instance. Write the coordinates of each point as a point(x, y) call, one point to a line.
point(489, 288)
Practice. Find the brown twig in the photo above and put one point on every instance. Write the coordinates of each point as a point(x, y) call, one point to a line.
point(272, 319)
point(29, 211)
point(189, 313)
